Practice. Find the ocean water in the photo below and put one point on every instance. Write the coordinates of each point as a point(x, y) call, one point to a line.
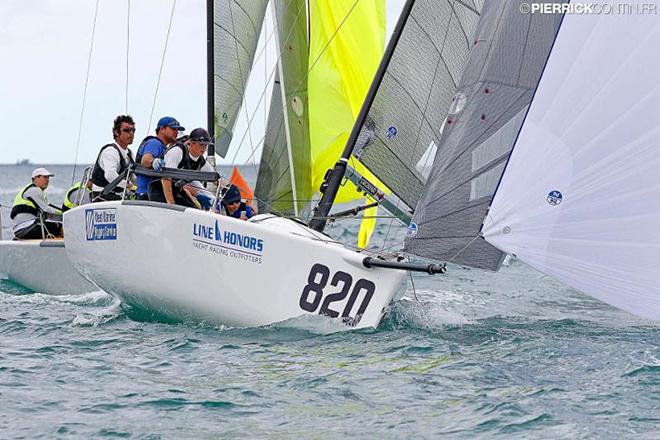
point(469, 354)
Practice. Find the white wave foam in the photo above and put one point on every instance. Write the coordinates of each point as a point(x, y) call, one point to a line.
point(429, 311)
point(317, 324)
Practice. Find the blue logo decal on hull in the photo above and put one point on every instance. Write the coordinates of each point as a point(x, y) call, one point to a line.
point(101, 224)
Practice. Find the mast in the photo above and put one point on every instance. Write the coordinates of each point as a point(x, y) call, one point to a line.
point(334, 177)
point(210, 91)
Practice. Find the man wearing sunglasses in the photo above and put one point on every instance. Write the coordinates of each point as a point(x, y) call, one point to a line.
point(114, 159)
point(233, 204)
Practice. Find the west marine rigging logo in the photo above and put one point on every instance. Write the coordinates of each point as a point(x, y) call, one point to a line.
point(391, 132)
point(412, 229)
point(101, 224)
point(554, 198)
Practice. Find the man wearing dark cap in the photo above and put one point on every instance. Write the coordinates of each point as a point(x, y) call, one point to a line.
point(152, 150)
point(234, 205)
point(187, 155)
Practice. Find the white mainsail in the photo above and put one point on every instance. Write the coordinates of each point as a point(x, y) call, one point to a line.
point(579, 197)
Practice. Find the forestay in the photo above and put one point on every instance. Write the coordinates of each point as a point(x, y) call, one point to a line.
point(236, 28)
point(404, 119)
point(506, 61)
point(579, 199)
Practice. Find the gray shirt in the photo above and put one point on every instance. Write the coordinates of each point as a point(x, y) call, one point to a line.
point(38, 196)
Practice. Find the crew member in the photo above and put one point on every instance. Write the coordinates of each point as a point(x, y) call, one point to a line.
point(113, 160)
point(33, 217)
point(184, 155)
point(234, 206)
point(78, 194)
point(152, 150)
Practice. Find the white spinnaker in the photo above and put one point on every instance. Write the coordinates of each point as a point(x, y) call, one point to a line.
point(593, 134)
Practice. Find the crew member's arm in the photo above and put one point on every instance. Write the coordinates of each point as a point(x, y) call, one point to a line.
point(151, 150)
point(172, 159)
point(167, 190)
point(37, 196)
point(195, 186)
point(147, 160)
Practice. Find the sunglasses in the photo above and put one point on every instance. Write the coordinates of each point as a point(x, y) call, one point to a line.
point(128, 130)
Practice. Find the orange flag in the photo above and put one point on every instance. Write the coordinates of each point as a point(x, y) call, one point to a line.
point(246, 192)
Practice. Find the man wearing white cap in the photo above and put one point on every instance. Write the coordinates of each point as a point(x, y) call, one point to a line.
point(33, 217)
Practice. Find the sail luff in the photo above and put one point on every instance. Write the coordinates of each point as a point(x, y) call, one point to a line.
point(210, 87)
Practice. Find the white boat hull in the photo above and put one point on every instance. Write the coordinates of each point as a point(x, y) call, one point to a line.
point(191, 264)
point(42, 266)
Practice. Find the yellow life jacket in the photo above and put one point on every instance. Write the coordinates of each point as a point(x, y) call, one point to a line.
point(22, 205)
point(68, 203)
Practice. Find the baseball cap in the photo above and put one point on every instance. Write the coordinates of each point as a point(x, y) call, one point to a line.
point(231, 195)
point(41, 172)
point(200, 135)
point(169, 121)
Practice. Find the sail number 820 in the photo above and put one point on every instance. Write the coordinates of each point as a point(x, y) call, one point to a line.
point(313, 293)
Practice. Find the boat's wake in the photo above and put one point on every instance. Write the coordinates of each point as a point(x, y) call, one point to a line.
point(106, 308)
point(91, 308)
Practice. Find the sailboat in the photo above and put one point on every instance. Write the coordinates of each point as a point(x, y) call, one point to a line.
point(456, 83)
point(236, 263)
point(22, 262)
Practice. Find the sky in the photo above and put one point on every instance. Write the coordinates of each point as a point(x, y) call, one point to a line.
point(44, 53)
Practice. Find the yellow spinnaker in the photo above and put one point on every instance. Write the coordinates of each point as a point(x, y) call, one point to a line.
point(347, 40)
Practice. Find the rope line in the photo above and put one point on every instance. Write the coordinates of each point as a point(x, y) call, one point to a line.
point(128, 40)
point(162, 63)
point(240, 72)
point(82, 110)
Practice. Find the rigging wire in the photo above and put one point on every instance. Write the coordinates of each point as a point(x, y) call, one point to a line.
point(128, 40)
point(82, 110)
point(265, 88)
point(304, 78)
point(162, 63)
point(240, 72)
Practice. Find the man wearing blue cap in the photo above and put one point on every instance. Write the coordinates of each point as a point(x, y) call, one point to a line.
point(152, 150)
